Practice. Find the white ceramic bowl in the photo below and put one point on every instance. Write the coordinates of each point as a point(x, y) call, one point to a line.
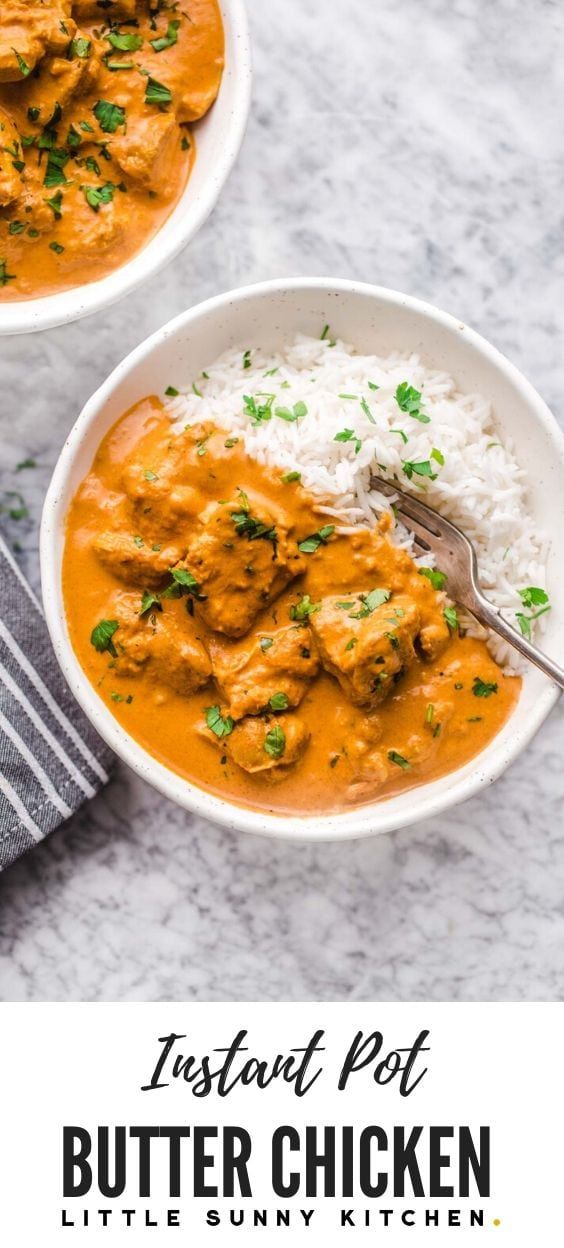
point(373, 319)
point(218, 136)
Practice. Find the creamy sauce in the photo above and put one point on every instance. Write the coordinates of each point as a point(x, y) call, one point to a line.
point(154, 501)
point(95, 142)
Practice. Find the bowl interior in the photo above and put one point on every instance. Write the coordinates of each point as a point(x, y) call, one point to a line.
point(218, 138)
point(372, 320)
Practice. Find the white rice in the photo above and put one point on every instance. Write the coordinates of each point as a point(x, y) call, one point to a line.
point(480, 486)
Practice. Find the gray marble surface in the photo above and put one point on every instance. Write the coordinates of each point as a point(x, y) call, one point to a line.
point(417, 145)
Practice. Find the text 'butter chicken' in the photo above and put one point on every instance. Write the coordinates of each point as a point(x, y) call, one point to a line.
point(251, 647)
point(96, 97)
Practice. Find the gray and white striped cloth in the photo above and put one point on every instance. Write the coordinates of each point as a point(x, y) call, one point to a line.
point(51, 759)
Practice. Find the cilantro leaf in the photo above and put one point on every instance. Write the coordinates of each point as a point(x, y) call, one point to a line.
point(408, 400)
point(483, 688)
point(109, 116)
point(221, 725)
point(438, 579)
point(101, 636)
point(315, 540)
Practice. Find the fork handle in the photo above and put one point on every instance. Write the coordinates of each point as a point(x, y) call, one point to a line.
point(488, 615)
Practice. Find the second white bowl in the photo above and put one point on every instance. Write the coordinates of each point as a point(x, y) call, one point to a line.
point(218, 136)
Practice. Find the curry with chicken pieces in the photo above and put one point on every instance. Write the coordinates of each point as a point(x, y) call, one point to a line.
point(253, 648)
point(96, 100)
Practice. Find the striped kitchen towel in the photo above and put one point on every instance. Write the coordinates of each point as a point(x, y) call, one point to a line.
point(51, 760)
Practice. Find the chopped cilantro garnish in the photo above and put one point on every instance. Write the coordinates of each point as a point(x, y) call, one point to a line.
point(438, 579)
point(451, 617)
point(183, 582)
point(109, 116)
point(149, 475)
point(438, 456)
point(166, 41)
point(95, 196)
point(16, 227)
point(422, 469)
point(124, 43)
point(305, 607)
point(266, 642)
point(409, 400)
point(101, 636)
point(55, 171)
point(150, 602)
point(279, 702)
point(275, 742)
point(398, 759)
point(376, 598)
point(74, 139)
point(172, 392)
point(366, 410)
point(259, 412)
point(55, 204)
point(56, 247)
point(288, 477)
point(22, 65)
point(248, 526)
point(246, 359)
point(348, 435)
point(402, 435)
point(81, 48)
point(5, 277)
point(533, 596)
point(221, 725)
point(284, 413)
point(157, 93)
point(315, 540)
point(483, 688)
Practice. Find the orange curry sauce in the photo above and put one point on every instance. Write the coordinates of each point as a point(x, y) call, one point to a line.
point(373, 693)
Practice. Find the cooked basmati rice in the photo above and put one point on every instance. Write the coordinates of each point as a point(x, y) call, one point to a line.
point(479, 486)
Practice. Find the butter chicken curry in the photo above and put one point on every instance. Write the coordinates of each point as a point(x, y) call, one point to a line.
point(96, 97)
point(250, 646)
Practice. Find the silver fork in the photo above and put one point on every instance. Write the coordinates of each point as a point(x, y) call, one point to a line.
point(456, 557)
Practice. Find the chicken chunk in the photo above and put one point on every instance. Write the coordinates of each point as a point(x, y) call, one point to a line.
point(145, 152)
point(197, 99)
point(365, 642)
point(133, 560)
point(267, 743)
point(58, 81)
point(28, 31)
point(162, 642)
point(10, 152)
point(241, 559)
point(434, 636)
point(277, 665)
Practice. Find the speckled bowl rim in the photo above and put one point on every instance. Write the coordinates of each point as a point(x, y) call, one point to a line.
point(231, 113)
point(423, 802)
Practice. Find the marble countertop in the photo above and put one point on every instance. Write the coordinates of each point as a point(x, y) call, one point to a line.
point(418, 146)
